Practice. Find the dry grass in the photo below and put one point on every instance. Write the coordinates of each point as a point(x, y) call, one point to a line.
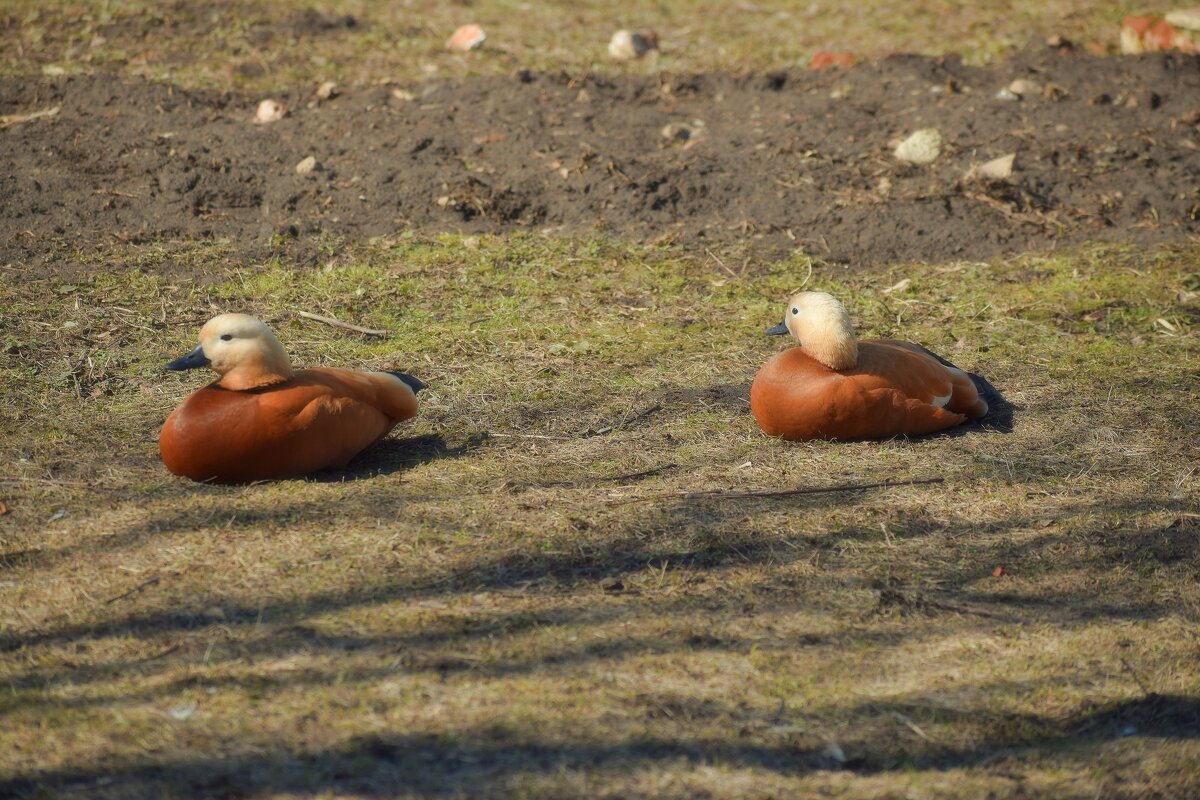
point(473, 611)
point(257, 45)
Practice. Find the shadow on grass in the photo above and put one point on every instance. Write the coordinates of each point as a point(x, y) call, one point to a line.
point(494, 761)
point(398, 455)
point(389, 457)
point(712, 543)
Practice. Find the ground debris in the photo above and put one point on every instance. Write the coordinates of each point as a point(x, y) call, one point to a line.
point(809, 154)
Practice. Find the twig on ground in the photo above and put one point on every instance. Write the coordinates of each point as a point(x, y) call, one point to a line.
point(117, 193)
point(143, 585)
point(159, 654)
point(49, 481)
point(646, 473)
point(527, 436)
point(722, 495)
point(912, 726)
point(8, 120)
point(629, 476)
point(337, 323)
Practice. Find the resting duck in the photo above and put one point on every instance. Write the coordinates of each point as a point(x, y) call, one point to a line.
point(261, 420)
point(835, 387)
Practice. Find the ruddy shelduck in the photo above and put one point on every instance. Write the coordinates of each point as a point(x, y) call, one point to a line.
point(261, 420)
point(835, 387)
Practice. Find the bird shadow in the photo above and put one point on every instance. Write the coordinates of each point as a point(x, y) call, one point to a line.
point(1000, 415)
point(397, 455)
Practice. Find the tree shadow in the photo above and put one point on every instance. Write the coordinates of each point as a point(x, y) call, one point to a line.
point(488, 760)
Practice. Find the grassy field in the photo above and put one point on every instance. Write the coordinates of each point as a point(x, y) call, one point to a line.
point(496, 603)
point(525, 592)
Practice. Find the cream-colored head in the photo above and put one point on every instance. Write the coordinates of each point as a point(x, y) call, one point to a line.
point(242, 349)
point(823, 326)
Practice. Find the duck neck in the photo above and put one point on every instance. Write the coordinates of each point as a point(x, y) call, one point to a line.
point(267, 370)
point(830, 341)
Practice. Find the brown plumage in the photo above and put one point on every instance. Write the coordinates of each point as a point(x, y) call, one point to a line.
point(261, 420)
point(835, 387)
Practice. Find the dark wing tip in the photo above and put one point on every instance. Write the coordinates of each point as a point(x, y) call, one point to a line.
point(413, 383)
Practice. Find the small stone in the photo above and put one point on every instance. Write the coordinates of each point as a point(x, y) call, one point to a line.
point(327, 90)
point(627, 45)
point(182, 712)
point(403, 95)
point(1024, 88)
point(1007, 95)
point(1053, 91)
point(998, 169)
point(921, 147)
point(677, 131)
point(833, 753)
point(468, 37)
point(269, 111)
point(308, 165)
point(213, 614)
point(1187, 18)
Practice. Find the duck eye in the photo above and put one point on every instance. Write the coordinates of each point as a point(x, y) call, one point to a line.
point(795, 310)
point(226, 337)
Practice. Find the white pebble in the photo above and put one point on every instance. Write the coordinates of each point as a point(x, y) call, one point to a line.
point(921, 147)
point(269, 111)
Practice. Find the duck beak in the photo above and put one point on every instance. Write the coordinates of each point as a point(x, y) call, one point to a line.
point(779, 330)
point(192, 360)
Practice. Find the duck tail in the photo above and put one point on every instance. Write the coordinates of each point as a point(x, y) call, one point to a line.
point(413, 383)
point(988, 393)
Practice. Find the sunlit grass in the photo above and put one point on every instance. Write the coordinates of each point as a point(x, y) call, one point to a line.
point(480, 595)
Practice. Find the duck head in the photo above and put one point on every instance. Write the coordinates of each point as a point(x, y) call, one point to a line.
point(242, 350)
point(822, 325)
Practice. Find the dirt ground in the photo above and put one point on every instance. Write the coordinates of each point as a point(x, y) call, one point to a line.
point(1106, 150)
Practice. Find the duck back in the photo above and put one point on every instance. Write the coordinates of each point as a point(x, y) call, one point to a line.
point(320, 419)
point(895, 389)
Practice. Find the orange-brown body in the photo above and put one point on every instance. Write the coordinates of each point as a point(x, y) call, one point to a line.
point(894, 389)
point(317, 419)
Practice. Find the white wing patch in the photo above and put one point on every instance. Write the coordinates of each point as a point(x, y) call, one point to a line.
point(940, 402)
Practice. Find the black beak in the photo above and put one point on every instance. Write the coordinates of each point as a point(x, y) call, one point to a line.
point(779, 330)
point(194, 359)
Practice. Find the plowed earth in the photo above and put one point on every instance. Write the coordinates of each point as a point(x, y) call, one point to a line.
point(1106, 149)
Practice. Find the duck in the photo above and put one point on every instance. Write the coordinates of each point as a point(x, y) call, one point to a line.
point(262, 420)
point(834, 386)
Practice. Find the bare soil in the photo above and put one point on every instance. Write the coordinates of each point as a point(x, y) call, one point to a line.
point(1106, 149)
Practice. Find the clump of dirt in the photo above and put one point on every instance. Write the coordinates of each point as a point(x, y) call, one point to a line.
point(1106, 149)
